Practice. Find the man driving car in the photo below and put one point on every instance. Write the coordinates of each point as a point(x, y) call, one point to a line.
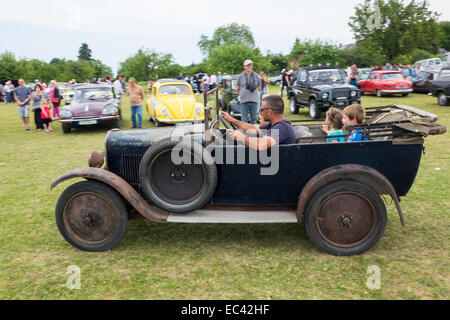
point(278, 130)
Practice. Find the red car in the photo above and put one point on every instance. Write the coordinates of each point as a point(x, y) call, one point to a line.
point(386, 82)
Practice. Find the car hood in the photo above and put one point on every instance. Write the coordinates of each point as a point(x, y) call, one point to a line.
point(182, 106)
point(88, 108)
point(331, 86)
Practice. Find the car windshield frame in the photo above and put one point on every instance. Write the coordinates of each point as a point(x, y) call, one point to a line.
point(80, 94)
point(390, 76)
point(332, 72)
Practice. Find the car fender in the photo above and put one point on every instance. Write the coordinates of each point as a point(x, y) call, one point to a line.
point(360, 173)
point(121, 186)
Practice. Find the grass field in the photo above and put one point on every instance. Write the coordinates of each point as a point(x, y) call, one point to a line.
point(177, 261)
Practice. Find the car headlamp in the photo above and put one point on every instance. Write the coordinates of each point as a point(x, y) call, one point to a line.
point(164, 112)
point(324, 95)
point(64, 113)
point(198, 110)
point(354, 93)
point(110, 110)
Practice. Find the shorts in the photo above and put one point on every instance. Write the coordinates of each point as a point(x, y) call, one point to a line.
point(24, 111)
point(46, 121)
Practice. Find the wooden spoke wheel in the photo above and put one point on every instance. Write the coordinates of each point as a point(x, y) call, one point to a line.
point(345, 217)
point(91, 216)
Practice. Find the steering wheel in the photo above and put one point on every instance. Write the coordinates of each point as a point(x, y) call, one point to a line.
point(228, 125)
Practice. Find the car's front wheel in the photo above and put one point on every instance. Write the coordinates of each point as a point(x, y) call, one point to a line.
point(314, 111)
point(442, 99)
point(91, 216)
point(66, 129)
point(293, 107)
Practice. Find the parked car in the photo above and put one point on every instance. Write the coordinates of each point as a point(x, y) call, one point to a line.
point(382, 82)
point(229, 101)
point(432, 64)
point(194, 85)
point(320, 88)
point(92, 105)
point(339, 193)
point(422, 84)
point(445, 59)
point(68, 95)
point(364, 73)
point(275, 80)
point(441, 87)
point(173, 101)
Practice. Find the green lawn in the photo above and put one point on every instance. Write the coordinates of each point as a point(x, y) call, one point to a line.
point(179, 261)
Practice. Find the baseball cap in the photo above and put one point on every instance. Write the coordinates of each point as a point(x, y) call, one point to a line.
point(247, 62)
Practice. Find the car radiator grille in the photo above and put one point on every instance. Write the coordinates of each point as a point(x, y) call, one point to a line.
point(130, 167)
point(341, 94)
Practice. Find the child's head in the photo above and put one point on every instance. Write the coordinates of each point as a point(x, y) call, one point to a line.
point(44, 101)
point(353, 114)
point(334, 118)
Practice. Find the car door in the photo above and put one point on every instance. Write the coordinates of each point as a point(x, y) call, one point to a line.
point(301, 87)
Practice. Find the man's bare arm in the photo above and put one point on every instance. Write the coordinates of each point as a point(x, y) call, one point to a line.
point(241, 125)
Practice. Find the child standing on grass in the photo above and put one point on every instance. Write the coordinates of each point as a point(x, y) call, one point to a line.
point(333, 125)
point(45, 115)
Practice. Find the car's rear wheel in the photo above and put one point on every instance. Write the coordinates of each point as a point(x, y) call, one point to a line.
point(404, 94)
point(442, 99)
point(345, 217)
point(178, 176)
point(314, 111)
point(91, 216)
point(293, 107)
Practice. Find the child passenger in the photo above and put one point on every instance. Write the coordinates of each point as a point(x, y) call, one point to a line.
point(46, 118)
point(333, 125)
point(352, 115)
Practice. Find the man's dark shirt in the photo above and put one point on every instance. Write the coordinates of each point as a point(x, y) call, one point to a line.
point(286, 132)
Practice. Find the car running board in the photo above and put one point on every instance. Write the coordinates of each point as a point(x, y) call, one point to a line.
point(231, 216)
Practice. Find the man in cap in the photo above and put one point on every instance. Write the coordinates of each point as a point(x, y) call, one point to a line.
point(248, 87)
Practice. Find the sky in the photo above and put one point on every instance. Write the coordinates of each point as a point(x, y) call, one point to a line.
point(116, 29)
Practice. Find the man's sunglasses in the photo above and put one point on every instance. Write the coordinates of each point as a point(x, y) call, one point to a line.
point(263, 109)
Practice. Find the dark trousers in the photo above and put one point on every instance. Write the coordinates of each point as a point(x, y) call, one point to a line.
point(37, 118)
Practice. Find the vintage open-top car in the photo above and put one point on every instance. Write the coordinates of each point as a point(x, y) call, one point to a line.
point(92, 105)
point(194, 174)
point(173, 101)
point(229, 101)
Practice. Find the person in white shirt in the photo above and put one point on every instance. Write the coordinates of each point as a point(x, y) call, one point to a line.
point(118, 90)
point(213, 81)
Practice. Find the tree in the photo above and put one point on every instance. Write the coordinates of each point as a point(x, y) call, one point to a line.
point(276, 62)
point(146, 64)
point(314, 52)
point(230, 58)
point(8, 66)
point(84, 53)
point(445, 34)
point(227, 35)
point(393, 27)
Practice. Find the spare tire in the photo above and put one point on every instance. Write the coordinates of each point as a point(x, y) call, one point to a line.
point(178, 176)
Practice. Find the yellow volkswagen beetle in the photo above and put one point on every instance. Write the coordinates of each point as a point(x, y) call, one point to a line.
point(172, 102)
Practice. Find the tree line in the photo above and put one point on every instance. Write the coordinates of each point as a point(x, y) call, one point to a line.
point(395, 31)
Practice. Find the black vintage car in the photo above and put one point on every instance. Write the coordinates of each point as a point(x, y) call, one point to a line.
point(229, 101)
point(423, 82)
point(441, 87)
point(195, 174)
point(320, 88)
